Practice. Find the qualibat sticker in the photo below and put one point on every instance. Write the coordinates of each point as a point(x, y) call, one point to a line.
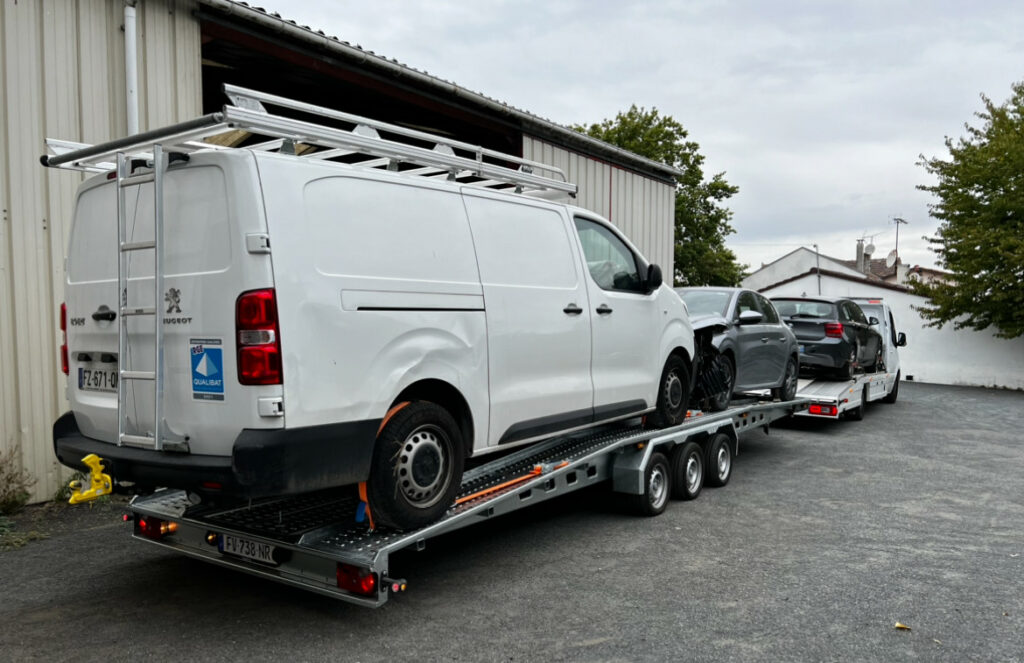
point(207, 357)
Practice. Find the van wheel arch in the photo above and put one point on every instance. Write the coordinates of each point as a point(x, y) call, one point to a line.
point(448, 397)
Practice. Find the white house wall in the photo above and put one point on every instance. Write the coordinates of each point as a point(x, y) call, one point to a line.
point(641, 207)
point(63, 77)
point(943, 356)
point(795, 262)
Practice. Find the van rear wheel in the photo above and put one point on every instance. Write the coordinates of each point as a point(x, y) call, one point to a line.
point(417, 467)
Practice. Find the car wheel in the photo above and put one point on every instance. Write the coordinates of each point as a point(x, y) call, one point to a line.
point(417, 467)
point(718, 460)
point(720, 401)
point(673, 394)
point(687, 471)
point(787, 390)
point(892, 395)
point(657, 487)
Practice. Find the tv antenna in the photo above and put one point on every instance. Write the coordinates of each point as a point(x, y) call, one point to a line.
point(899, 222)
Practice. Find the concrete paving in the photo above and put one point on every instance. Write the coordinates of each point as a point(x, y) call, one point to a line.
point(828, 534)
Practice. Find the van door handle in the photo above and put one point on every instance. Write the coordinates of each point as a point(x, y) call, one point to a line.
point(572, 309)
point(104, 313)
point(604, 309)
point(764, 339)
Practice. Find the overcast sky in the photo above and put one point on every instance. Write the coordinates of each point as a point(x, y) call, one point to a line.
point(817, 110)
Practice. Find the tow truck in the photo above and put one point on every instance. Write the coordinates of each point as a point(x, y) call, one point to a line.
point(327, 543)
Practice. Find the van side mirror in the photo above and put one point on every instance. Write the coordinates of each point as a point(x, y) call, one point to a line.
point(751, 317)
point(654, 279)
point(872, 321)
point(901, 340)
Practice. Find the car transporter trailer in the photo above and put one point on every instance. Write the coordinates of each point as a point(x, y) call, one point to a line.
point(325, 542)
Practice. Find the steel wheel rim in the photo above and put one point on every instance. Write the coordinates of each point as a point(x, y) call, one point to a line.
point(673, 390)
point(657, 486)
point(694, 473)
point(423, 467)
point(723, 461)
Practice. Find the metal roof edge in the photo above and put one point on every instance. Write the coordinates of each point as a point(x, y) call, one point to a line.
point(540, 125)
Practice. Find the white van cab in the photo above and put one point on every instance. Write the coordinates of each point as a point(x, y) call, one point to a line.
point(323, 323)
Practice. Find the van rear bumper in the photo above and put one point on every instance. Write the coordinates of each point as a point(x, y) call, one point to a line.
point(262, 463)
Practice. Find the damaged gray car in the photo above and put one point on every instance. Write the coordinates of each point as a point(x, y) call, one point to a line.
point(742, 343)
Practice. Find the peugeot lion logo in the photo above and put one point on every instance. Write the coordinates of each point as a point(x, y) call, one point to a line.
point(173, 299)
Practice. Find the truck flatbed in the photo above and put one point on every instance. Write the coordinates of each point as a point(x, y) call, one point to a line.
point(833, 398)
point(319, 542)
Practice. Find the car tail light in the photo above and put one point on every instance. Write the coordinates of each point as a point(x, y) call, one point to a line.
point(64, 336)
point(834, 329)
point(356, 579)
point(154, 528)
point(259, 340)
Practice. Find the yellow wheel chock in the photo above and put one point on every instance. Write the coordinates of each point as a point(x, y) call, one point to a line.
point(99, 483)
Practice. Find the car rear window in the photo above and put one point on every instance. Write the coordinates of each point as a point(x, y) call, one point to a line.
point(799, 308)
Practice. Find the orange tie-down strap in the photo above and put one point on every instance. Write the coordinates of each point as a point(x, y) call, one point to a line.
point(362, 496)
point(535, 472)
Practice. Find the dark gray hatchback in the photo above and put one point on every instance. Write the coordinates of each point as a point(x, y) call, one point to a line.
point(834, 334)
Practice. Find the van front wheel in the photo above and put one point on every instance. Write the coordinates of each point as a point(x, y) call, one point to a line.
point(417, 467)
point(673, 394)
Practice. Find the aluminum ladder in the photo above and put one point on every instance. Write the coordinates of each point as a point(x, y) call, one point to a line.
point(126, 180)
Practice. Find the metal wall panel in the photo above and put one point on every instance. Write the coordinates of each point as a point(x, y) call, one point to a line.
point(62, 65)
point(642, 208)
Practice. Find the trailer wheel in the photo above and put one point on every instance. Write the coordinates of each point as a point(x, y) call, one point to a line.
point(687, 471)
point(718, 460)
point(673, 394)
point(857, 413)
point(891, 396)
point(417, 467)
point(657, 487)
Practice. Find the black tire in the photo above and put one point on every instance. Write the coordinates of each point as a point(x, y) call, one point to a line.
point(718, 460)
point(687, 471)
point(417, 467)
point(857, 413)
point(846, 371)
point(720, 401)
point(673, 394)
point(657, 487)
point(787, 390)
point(890, 398)
point(879, 362)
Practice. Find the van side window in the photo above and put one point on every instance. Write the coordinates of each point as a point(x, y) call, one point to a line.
point(612, 265)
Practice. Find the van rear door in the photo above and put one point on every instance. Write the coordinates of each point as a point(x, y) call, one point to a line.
point(203, 248)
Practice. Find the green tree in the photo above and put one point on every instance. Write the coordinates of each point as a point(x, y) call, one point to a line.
point(701, 218)
point(980, 240)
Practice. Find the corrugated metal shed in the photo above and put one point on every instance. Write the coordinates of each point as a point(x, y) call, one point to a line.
point(643, 208)
point(63, 77)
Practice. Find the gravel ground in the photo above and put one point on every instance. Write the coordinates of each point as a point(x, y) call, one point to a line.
point(828, 534)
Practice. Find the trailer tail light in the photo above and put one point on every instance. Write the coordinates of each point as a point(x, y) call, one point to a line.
point(824, 410)
point(356, 579)
point(834, 329)
point(259, 339)
point(154, 528)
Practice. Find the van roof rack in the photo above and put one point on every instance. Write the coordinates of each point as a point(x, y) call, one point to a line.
point(247, 124)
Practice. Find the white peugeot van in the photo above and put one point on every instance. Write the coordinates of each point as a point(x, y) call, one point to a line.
point(323, 323)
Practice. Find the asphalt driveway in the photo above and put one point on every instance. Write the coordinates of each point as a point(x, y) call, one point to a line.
point(828, 534)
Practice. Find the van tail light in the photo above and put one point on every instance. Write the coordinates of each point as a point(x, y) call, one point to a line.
point(64, 337)
point(259, 338)
point(834, 329)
